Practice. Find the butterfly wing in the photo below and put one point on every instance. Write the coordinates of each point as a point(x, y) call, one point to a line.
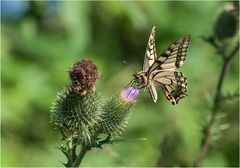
point(153, 92)
point(150, 55)
point(173, 84)
point(173, 57)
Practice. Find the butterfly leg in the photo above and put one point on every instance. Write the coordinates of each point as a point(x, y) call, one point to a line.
point(131, 83)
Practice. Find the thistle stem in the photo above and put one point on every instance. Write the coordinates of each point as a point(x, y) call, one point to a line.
point(217, 98)
point(81, 155)
point(85, 147)
point(71, 153)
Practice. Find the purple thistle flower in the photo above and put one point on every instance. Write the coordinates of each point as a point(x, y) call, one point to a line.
point(130, 94)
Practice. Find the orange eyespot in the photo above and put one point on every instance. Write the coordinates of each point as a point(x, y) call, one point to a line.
point(171, 99)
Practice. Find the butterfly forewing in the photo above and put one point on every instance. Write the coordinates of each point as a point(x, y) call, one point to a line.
point(150, 55)
point(173, 57)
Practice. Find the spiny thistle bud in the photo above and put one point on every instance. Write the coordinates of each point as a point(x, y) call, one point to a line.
point(226, 25)
point(76, 113)
point(116, 110)
point(83, 75)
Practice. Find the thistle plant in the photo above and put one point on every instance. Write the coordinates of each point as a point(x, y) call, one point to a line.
point(226, 44)
point(82, 116)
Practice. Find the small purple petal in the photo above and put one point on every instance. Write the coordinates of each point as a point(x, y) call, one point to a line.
point(130, 94)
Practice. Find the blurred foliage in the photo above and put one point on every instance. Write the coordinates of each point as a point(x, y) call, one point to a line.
point(42, 39)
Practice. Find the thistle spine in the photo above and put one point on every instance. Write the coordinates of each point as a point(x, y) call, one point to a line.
point(75, 113)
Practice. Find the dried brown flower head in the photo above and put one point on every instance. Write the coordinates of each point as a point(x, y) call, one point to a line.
point(83, 75)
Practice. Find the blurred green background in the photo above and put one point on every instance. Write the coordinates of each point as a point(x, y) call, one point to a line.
point(41, 40)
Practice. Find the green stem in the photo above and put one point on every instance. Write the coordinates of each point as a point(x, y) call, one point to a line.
point(71, 152)
point(81, 155)
point(217, 98)
point(83, 151)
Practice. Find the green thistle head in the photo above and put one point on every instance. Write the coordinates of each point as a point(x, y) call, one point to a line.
point(73, 111)
point(116, 110)
point(226, 25)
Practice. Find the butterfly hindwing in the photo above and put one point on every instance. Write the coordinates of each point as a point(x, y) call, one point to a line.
point(173, 84)
point(150, 55)
point(173, 57)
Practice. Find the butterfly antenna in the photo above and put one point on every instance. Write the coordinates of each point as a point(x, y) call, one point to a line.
point(124, 62)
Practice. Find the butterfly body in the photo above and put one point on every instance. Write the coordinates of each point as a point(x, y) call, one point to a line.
point(142, 78)
point(162, 71)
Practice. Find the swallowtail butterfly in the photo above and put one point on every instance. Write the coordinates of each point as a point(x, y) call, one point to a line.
point(162, 72)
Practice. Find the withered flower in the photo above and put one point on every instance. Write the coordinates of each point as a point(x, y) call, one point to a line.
point(83, 75)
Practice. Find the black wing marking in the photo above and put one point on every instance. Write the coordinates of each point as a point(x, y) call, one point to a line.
point(173, 57)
